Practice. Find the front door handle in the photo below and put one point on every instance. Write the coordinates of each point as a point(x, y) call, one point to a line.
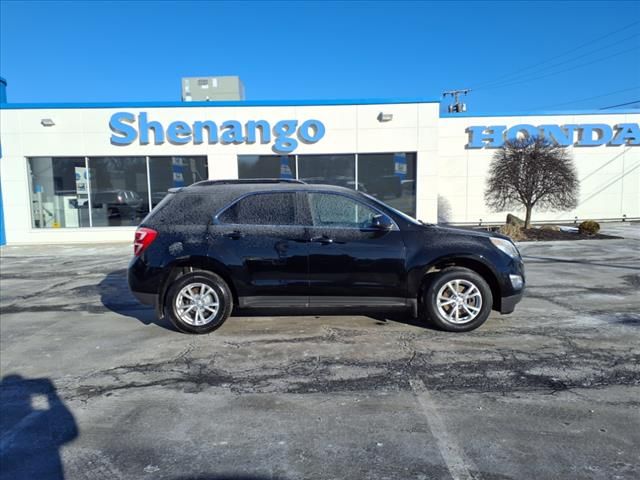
point(323, 239)
point(235, 235)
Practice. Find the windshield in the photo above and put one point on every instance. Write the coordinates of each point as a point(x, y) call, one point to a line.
point(403, 215)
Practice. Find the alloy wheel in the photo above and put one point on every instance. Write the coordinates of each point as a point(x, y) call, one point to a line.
point(459, 301)
point(197, 304)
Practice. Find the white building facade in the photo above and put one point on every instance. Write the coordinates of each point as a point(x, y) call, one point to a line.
point(89, 173)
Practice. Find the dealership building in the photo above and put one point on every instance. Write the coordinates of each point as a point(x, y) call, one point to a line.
point(91, 172)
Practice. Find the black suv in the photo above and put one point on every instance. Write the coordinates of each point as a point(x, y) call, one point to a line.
point(275, 243)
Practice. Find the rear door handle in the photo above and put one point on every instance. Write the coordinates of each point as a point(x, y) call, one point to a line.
point(235, 235)
point(323, 239)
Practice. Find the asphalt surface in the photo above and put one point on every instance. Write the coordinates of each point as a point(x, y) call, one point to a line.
point(94, 387)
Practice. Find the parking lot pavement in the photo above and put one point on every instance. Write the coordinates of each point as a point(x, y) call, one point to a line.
point(94, 387)
point(628, 230)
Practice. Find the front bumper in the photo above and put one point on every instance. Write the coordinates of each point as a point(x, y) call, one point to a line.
point(508, 304)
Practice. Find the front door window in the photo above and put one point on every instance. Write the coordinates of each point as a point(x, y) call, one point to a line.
point(337, 211)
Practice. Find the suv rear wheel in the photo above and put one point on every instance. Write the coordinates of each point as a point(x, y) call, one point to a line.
point(458, 300)
point(198, 302)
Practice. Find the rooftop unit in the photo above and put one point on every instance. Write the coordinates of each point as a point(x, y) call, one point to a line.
point(212, 89)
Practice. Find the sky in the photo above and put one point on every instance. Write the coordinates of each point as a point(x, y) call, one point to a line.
point(516, 57)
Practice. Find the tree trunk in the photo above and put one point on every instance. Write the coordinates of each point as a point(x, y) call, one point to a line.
point(527, 218)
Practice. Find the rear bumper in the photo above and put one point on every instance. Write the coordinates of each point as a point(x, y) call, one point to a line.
point(143, 281)
point(508, 304)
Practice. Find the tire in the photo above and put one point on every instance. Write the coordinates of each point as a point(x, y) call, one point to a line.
point(204, 316)
point(470, 312)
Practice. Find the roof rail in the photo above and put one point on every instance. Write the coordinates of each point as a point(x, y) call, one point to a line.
point(205, 183)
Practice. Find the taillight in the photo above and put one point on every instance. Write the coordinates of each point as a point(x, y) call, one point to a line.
point(143, 238)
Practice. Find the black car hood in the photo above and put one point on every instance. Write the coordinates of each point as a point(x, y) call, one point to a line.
point(464, 231)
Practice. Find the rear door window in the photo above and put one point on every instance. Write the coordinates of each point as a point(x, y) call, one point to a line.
point(278, 208)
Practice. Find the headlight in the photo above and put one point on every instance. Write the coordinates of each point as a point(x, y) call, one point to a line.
point(506, 246)
point(516, 281)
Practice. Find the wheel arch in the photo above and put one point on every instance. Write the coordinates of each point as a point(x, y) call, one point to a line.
point(476, 264)
point(181, 267)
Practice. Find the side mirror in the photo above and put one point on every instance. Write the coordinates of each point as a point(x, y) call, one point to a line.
point(382, 222)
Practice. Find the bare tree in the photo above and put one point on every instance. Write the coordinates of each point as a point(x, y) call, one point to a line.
point(532, 172)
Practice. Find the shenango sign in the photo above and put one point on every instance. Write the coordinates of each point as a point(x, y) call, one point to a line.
point(579, 135)
point(285, 134)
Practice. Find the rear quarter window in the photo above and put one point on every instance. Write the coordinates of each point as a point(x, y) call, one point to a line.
point(175, 209)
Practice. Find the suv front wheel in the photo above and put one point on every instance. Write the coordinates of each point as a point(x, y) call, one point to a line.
point(458, 300)
point(198, 302)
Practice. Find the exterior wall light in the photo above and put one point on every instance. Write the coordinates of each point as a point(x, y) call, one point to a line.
point(47, 122)
point(385, 117)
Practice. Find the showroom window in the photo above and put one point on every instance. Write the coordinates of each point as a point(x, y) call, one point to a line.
point(267, 166)
point(332, 169)
point(59, 192)
point(118, 191)
point(105, 191)
point(172, 172)
point(390, 177)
